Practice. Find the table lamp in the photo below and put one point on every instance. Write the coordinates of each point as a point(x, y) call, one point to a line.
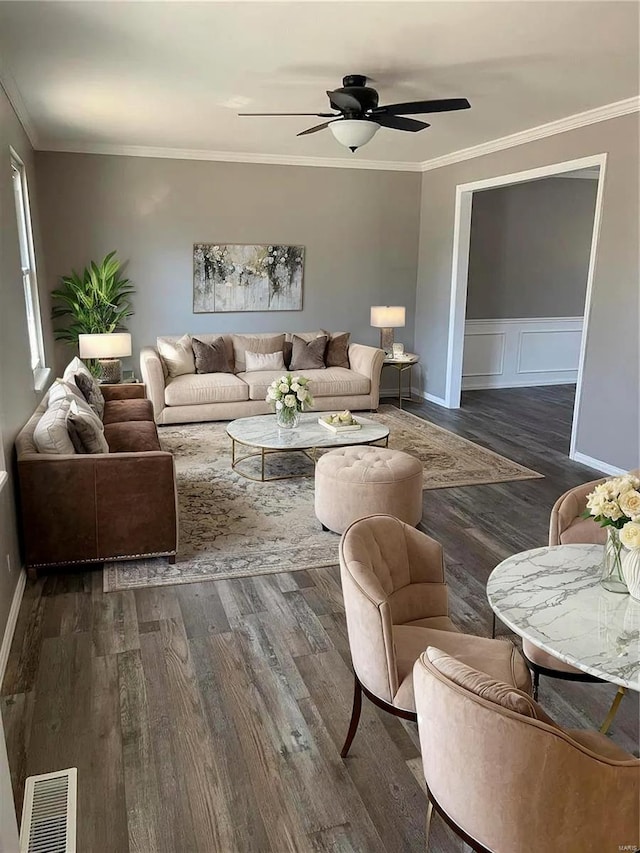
point(108, 349)
point(387, 318)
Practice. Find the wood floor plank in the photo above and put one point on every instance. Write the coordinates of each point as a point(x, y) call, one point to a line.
point(204, 789)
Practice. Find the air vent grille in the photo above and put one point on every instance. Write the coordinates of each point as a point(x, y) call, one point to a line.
point(49, 813)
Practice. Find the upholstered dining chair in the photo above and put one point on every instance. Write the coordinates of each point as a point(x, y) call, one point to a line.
point(507, 779)
point(395, 598)
point(566, 527)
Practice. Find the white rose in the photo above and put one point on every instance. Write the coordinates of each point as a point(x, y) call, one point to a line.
point(295, 386)
point(611, 509)
point(278, 404)
point(271, 394)
point(302, 395)
point(595, 504)
point(630, 535)
point(284, 388)
point(274, 384)
point(290, 400)
point(630, 504)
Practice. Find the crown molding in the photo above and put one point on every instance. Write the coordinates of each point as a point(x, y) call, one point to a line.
point(608, 111)
point(229, 156)
point(8, 83)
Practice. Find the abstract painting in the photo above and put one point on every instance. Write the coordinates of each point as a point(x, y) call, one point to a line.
point(247, 278)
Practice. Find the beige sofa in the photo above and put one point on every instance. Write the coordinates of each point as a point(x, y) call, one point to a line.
point(225, 396)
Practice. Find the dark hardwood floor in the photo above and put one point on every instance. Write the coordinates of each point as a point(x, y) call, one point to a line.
point(209, 717)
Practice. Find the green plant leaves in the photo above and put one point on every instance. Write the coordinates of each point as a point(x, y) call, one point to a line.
point(95, 303)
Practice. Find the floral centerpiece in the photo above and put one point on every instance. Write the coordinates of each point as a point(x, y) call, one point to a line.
point(615, 505)
point(289, 395)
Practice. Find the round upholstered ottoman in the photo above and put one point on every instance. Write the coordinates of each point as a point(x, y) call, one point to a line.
point(353, 482)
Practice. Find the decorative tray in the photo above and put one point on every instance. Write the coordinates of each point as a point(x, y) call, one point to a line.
point(339, 428)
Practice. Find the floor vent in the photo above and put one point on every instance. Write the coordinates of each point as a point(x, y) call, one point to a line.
point(49, 813)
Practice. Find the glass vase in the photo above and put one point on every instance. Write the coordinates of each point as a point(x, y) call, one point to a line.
point(612, 577)
point(287, 418)
point(631, 571)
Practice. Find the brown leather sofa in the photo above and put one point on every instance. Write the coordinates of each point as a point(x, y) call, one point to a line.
point(84, 508)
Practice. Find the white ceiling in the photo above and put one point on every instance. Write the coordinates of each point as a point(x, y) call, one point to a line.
point(174, 74)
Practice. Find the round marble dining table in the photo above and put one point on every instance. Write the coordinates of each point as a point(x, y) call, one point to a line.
point(552, 596)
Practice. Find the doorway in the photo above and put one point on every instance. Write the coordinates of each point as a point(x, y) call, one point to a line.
point(460, 281)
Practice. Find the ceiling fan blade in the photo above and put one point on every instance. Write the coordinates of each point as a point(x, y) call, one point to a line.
point(315, 129)
point(344, 101)
point(440, 105)
point(319, 115)
point(400, 123)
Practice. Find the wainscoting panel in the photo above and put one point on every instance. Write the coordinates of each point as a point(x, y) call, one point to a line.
point(521, 352)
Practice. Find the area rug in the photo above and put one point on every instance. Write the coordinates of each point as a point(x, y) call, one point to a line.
point(233, 527)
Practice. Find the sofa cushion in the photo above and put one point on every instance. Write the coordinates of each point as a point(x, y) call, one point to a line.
point(51, 434)
point(330, 382)
point(177, 356)
point(308, 355)
point(132, 437)
point(211, 357)
point(337, 351)
point(306, 336)
point(254, 343)
point(190, 390)
point(86, 430)
point(121, 411)
point(258, 361)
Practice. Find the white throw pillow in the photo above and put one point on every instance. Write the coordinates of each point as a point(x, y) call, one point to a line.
point(177, 356)
point(76, 365)
point(51, 434)
point(263, 361)
point(62, 389)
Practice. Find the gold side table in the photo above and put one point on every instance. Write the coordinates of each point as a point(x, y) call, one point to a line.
point(401, 365)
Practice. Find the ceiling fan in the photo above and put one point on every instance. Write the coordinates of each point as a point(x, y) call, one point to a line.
point(358, 117)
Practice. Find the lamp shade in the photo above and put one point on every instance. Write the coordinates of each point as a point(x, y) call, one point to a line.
point(353, 133)
point(113, 345)
point(387, 316)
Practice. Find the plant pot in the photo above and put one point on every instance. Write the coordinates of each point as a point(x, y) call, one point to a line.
point(287, 418)
point(631, 571)
point(612, 577)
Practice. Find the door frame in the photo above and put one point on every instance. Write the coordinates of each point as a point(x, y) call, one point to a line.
point(460, 270)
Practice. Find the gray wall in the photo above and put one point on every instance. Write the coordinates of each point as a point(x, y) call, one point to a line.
point(359, 228)
point(611, 372)
point(17, 397)
point(529, 253)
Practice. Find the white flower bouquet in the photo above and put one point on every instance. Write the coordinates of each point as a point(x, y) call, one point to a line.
point(615, 505)
point(289, 395)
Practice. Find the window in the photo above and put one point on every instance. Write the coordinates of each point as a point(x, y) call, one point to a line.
point(28, 265)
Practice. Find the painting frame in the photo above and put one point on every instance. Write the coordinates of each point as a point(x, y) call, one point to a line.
point(247, 277)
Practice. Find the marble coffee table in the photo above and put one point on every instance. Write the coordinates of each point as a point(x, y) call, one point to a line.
point(263, 436)
point(552, 596)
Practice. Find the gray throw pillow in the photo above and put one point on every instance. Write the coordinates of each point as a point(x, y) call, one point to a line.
point(91, 392)
point(210, 358)
point(308, 355)
point(337, 354)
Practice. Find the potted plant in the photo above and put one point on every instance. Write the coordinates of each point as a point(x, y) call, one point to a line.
point(95, 303)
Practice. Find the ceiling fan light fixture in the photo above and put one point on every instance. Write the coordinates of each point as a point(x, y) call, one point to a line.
point(354, 133)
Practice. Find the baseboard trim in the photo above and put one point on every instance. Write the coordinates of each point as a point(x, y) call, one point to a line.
point(583, 459)
point(416, 392)
point(12, 621)
point(468, 384)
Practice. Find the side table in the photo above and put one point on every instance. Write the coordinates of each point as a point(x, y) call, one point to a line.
point(401, 365)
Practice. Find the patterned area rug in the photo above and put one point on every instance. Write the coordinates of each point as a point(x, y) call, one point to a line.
point(232, 527)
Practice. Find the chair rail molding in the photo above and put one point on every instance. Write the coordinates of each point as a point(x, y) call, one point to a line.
point(513, 353)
